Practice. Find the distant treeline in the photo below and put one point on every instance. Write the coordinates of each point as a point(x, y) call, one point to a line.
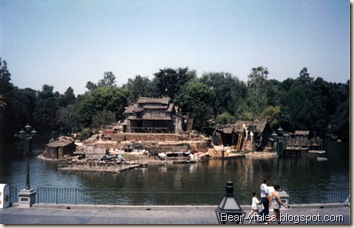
point(304, 103)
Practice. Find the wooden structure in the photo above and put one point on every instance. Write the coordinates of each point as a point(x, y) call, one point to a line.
point(298, 139)
point(234, 135)
point(57, 149)
point(261, 132)
point(153, 115)
point(298, 144)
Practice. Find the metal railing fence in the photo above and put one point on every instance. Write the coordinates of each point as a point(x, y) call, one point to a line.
point(13, 194)
point(318, 195)
point(171, 197)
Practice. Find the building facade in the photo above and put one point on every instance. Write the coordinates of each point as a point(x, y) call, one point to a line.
point(153, 115)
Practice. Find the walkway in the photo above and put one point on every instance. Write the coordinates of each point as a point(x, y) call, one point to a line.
point(83, 214)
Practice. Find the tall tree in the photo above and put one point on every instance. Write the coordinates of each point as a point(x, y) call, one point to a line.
point(46, 109)
point(227, 92)
point(257, 87)
point(140, 87)
point(7, 120)
point(66, 118)
point(102, 119)
point(301, 105)
point(6, 87)
point(108, 80)
point(271, 114)
point(90, 86)
point(104, 98)
point(67, 98)
point(195, 98)
point(169, 81)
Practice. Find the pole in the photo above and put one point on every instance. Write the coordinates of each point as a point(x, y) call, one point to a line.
point(28, 142)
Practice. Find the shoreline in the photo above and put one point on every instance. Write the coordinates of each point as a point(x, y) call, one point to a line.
point(141, 161)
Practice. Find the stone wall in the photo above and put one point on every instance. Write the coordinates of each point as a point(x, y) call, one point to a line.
point(146, 137)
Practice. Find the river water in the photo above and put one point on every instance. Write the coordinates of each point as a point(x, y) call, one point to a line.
point(246, 173)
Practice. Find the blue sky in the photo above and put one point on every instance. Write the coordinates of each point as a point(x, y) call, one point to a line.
point(70, 42)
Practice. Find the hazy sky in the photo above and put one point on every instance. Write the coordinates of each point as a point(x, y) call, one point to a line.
point(70, 42)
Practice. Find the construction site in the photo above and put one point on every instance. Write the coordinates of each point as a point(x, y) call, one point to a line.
point(154, 129)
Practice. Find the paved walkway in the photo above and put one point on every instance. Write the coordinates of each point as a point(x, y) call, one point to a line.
point(81, 214)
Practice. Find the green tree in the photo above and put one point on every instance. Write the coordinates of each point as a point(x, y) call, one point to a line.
point(225, 118)
point(257, 90)
point(67, 98)
point(66, 118)
point(194, 98)
point(227, 92)
point(103, 98)
point(108, 80)
point(90, 86)
point(169, 81)
point(271, 114)
point(6, 87)
point(102, 119)
point(140, 87)
point(22, 106)
point(45, 111)
point(273, 92)
point(301, 105)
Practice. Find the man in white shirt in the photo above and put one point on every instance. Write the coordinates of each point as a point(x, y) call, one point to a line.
point(265, 199)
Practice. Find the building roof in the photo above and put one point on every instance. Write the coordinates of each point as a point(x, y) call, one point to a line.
point(148, 100)
point(155, 107)
point(149, 103)
point(59, 144)
point(170, 107)
point(132, 109)
point(300, 132)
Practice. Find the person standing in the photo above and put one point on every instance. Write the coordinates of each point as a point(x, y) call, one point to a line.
point(254, 206)
point(276, 205)
point(265, 199)
point(246, 130)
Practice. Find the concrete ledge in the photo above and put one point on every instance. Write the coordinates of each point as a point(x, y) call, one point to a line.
point(175, 207)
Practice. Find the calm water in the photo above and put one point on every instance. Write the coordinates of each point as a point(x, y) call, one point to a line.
point(209, 175)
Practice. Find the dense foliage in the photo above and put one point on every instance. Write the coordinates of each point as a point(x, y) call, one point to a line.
point(294, 104)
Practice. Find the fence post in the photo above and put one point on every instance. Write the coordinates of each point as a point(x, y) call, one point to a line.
point(38, 195)
point(56, 195)
point(75, 195)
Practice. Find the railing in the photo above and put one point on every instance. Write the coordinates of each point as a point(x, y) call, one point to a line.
point(310, 196)
point(149, 130)
point(173, 197)
point(126, 197)
point(13, 194)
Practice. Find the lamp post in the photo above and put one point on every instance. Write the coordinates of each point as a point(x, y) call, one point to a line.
point(229, 210)
point(279, 139)
point(280, 143)
point(27, 195)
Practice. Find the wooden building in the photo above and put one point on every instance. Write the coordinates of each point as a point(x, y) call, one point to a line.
point(153, 115)
point(234, 134)
point(57, 149)
point(299, 138)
